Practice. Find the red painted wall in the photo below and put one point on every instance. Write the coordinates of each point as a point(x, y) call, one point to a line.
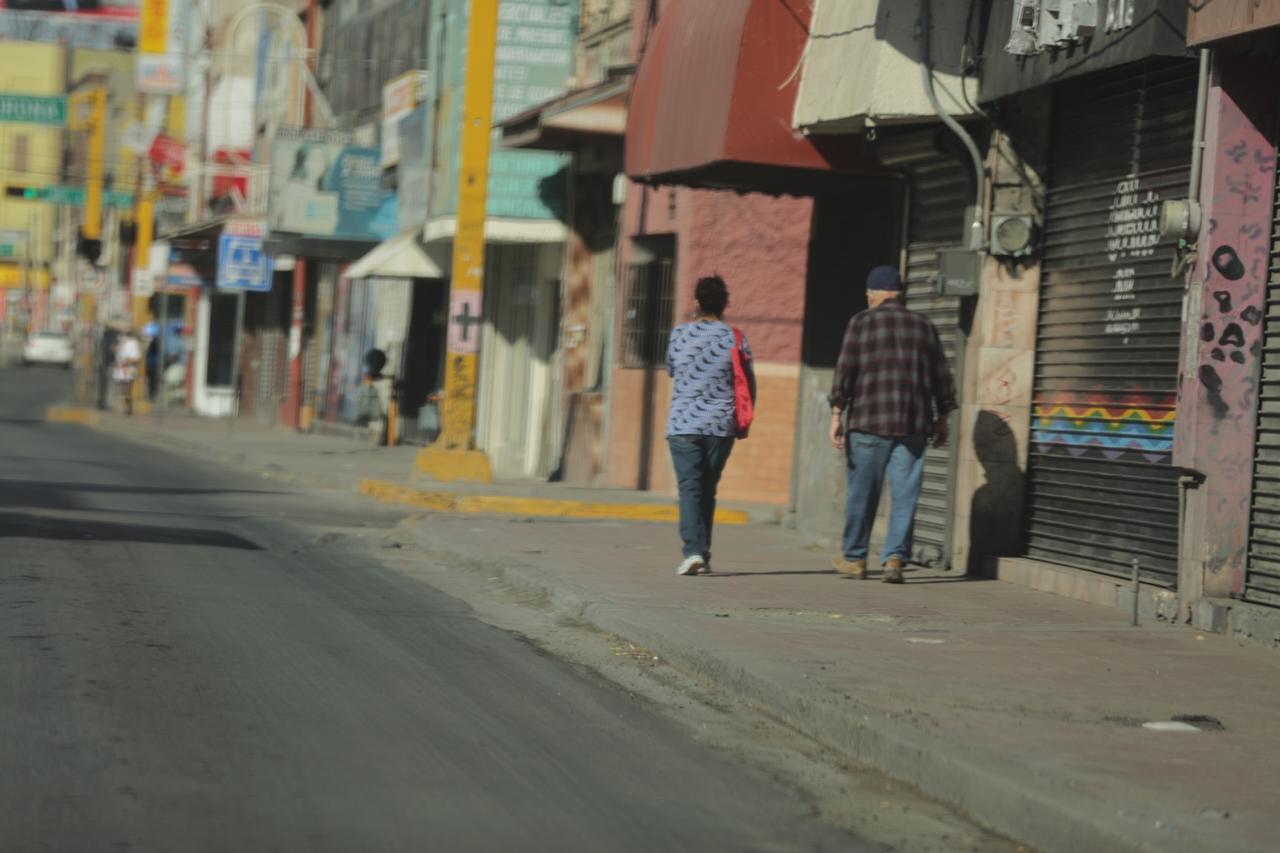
point(759, 245)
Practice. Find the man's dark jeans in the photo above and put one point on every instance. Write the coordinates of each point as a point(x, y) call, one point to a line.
point(699, 461)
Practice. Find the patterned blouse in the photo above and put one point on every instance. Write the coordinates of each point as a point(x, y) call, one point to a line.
point(700, 361)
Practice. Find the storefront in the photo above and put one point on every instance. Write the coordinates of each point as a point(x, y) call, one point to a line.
point(399, 289)
point(730, 187)
point(861, 88)
point(939, 184)
point(518, 352)
point(1102, 489)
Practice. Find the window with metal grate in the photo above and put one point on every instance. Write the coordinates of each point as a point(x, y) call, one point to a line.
point(648, 311)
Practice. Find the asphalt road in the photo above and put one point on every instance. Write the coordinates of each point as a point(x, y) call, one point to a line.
point(188, 665)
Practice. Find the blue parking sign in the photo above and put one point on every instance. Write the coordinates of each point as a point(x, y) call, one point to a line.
point(242, 265)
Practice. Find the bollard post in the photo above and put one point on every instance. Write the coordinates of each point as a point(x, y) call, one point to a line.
point(1137, 567)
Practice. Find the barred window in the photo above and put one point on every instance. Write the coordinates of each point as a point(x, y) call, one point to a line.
point(649, 306)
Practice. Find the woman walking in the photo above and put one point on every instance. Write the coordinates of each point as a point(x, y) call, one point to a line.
point(708, 361)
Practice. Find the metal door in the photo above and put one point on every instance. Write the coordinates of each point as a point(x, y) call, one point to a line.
point(940, 189)
point(1262, 574)
point(1101, 488)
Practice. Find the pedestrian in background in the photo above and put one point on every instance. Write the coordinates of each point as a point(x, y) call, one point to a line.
point(893, 383)
point(709, 362)
point(105, 364)
point(128, 355)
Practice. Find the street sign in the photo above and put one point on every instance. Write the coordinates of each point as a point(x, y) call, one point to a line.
point(91, 280)
point(242, 265)
point(34, 109)
point(75, 196)
point(12, 242)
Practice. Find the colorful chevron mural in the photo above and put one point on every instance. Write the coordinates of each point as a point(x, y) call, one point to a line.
point(1105, 424)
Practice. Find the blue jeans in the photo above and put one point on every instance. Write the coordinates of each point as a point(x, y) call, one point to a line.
point(699, 462)
point(868, 458)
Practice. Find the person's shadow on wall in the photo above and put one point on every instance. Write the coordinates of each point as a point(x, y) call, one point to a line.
point(995, 518)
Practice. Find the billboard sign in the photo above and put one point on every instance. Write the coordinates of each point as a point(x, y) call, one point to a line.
point(323, 186)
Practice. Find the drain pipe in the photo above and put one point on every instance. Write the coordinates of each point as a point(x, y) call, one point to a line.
point(1197, 153)
point(1180, 219)
point(975, 225)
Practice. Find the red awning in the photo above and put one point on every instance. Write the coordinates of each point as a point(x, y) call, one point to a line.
point(713, 99)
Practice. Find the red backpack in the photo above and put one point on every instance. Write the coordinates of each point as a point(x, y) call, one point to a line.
point(744, 402)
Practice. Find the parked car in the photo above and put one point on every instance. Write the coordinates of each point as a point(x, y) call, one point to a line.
point(48, 348)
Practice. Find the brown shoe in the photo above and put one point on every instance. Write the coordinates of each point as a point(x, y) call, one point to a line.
point(852, 569)
point(893, 571)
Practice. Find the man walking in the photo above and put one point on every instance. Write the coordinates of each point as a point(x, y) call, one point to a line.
point(893, 384)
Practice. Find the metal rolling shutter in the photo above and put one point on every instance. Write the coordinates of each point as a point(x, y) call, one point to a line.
point(1262, 575)
point(1101, 489)
point(940, 190)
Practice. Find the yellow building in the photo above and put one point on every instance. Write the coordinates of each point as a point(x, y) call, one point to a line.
point(30, 156)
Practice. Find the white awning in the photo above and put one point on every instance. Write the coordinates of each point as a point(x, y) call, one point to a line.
point(401, 256)
point(862, 67)
point(500, 230)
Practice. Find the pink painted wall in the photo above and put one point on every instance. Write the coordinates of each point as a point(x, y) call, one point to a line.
point(1218, 400)
point(760, 246)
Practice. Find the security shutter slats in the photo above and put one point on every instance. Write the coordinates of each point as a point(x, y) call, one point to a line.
point(1101, 490)
point(1262, 570)
point(941, 187)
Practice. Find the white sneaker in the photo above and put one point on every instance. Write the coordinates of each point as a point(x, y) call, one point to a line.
point(691, 565)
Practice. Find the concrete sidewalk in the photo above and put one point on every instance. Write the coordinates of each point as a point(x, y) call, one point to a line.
point(1023, 709)
point(386, 473)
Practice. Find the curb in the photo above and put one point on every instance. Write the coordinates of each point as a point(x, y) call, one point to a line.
point(72, 415)
point(1040, 810)
point(437, 501)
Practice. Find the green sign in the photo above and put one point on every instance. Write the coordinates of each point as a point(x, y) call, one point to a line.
point(33, 109)
point(534, 57)
point(6, 250)
point(74, 196)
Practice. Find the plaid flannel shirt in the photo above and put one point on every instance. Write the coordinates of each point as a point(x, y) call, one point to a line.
point(892, 378)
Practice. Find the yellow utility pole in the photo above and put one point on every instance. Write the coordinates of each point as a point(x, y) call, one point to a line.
point(144, 230)
point(454, 457)
point(92, 101)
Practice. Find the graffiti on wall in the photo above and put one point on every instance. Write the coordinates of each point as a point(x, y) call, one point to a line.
point(1103, 424)
point(1234, 268)
point(1231, 274)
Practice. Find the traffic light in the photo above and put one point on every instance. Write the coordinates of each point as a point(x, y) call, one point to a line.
point(89, 249)
point(28, 193)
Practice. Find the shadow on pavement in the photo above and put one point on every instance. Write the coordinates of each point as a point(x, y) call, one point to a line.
point(30, 486)
point(720, 574)
point(26, 526)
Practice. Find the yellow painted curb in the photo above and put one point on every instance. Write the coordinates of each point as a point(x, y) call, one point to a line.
point(545, 507)
point(71, 415)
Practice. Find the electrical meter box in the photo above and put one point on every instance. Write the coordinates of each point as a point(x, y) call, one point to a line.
point(959, 271)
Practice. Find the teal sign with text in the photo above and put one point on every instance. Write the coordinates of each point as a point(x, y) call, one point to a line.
point(33, 109)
